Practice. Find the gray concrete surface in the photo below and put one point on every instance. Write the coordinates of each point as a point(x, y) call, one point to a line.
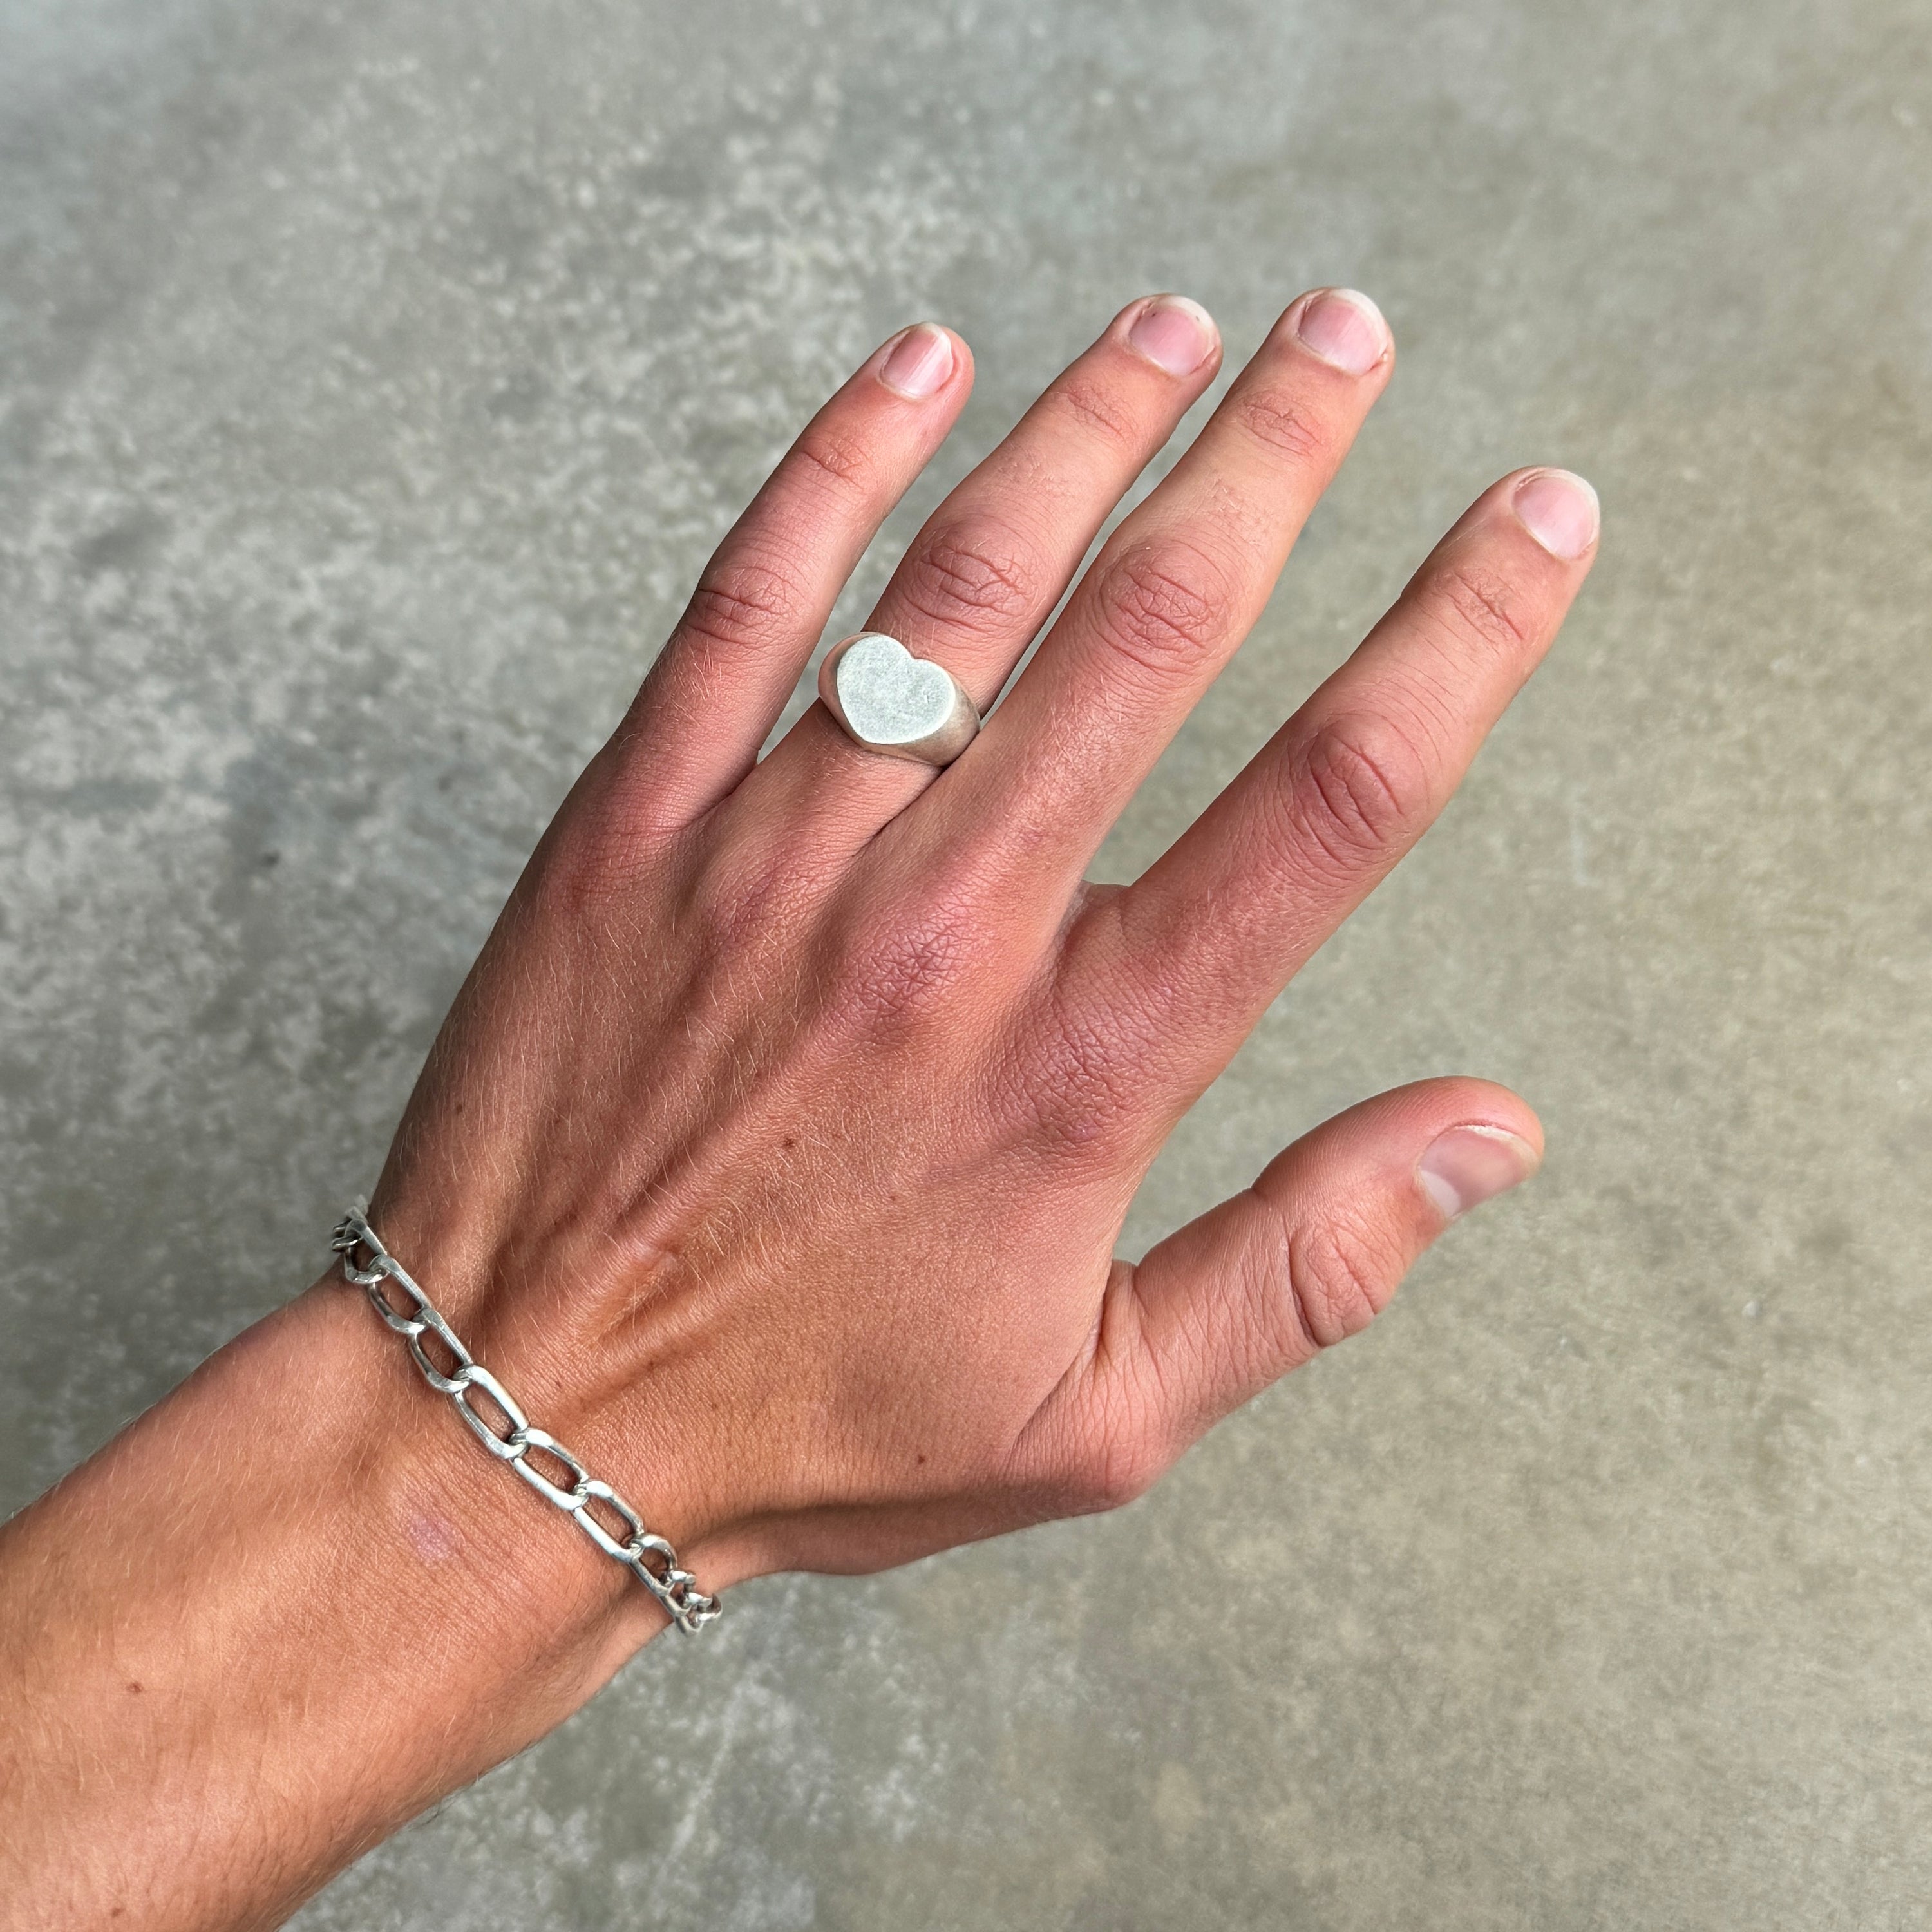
point(375, 376)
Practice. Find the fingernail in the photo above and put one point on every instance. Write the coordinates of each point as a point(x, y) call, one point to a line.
point(920, 362)
point(1345, 328)
point(1175, 334)
point(1560, 510)
point(1468, 1166)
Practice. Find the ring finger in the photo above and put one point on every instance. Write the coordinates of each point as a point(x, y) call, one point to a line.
point(989, 565)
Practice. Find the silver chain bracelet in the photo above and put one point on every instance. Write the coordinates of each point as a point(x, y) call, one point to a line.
point(580, 1493)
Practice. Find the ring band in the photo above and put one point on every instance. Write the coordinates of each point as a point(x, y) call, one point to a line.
point(888, 700)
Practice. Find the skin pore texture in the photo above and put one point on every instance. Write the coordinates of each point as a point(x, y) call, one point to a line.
point(774, 1153)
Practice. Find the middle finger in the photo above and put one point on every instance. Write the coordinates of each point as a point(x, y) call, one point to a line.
point(1170, 597)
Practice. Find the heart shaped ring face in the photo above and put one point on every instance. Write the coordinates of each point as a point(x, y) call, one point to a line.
point(889, 700)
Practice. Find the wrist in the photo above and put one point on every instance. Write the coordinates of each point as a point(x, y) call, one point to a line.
point(490, 1413)
point(444, 1537)
point(580, 1336)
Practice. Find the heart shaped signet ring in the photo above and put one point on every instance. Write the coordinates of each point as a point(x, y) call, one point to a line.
point(889, 700)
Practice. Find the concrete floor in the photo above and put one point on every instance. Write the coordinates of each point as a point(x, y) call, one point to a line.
point(373, 379)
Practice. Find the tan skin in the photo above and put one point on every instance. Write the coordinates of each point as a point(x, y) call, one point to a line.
point(775, 1152)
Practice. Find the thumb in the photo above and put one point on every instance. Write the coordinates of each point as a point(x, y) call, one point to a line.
point(1311, 1253)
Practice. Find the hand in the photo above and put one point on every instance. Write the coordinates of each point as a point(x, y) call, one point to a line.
point(776, 1152)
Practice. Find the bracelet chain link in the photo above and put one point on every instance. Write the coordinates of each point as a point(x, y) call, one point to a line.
point(579, 1495)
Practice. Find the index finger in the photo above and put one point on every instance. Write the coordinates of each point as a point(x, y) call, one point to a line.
point(1227, 915)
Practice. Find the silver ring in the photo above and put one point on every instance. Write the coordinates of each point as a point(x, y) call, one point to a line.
point(889, 700)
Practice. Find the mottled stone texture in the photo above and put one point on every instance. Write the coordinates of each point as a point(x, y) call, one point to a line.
point(373, 378)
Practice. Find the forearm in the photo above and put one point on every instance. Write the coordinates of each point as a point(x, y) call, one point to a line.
point(290, 1606)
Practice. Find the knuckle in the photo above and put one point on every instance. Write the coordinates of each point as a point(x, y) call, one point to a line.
point(841, 463)
point(747, 603)
point(973, 581)
point(1076, 1095)
point(1482, 608)
point(1095, 408)
point(1336, 1278)
point(1361, 792)
point(741, 901)
point(1117, 1465)
point(1276, 422)
point(904, 976)
point(1166, 607)
point(580, 877)
point(601, 848)
point(593, 862)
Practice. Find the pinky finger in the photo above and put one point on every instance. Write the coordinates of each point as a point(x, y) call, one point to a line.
point(767, 595)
